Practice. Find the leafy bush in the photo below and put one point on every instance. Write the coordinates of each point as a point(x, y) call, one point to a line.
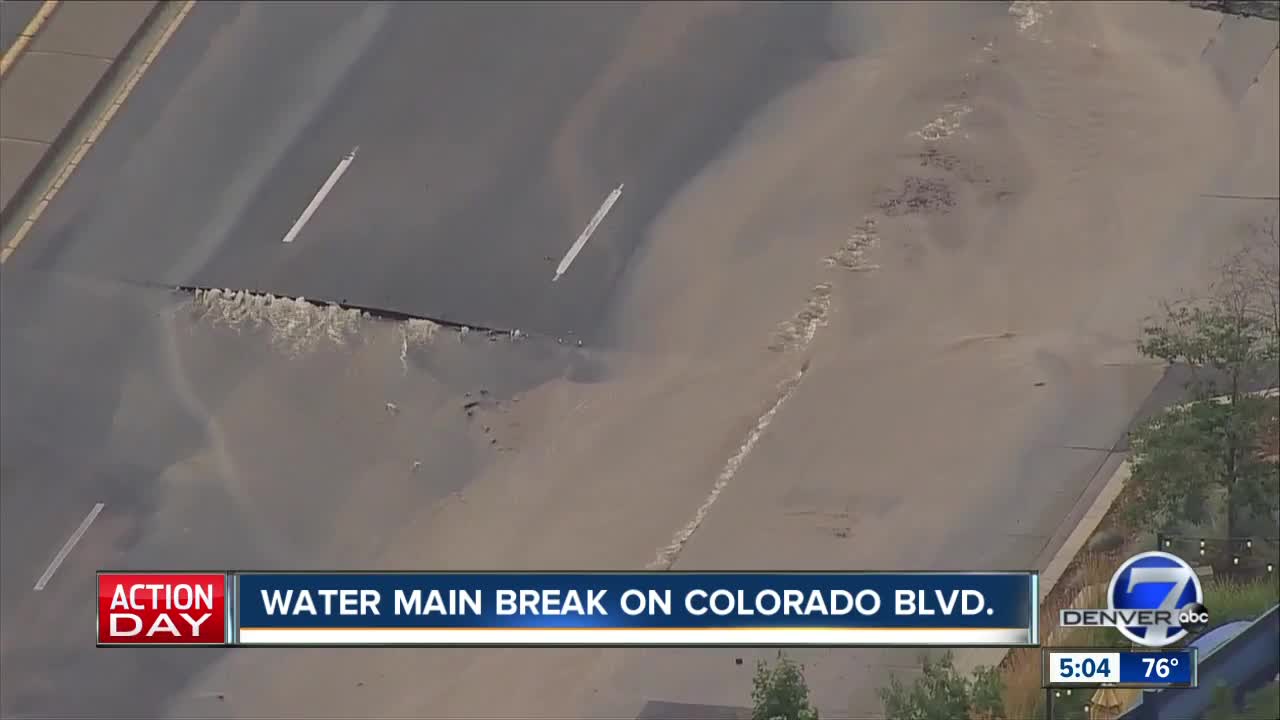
point(779, 692)
point(943, 693)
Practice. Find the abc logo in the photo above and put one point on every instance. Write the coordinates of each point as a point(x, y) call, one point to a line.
point(1194, 617)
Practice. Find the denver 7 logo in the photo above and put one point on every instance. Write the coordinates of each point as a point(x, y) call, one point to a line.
point(1160, 582)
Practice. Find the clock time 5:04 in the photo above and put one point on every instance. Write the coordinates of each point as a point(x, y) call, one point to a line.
point(1085, 668)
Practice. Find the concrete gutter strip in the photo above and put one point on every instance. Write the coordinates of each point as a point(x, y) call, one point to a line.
point(51, 81)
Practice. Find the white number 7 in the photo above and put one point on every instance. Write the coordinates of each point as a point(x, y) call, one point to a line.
point(1150, 575)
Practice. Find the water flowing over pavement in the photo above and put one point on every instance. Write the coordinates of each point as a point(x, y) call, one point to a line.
point(871, 286)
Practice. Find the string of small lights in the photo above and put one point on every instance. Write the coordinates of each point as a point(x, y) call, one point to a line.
point(1241, 547)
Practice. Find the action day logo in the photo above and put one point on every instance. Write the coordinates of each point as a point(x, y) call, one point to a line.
point(1155, 599)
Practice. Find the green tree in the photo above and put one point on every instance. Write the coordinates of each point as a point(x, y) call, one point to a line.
point(1188, 458)
point(779, 692)
point(943, 693)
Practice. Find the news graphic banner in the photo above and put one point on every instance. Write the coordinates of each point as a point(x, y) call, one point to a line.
point(572, 609)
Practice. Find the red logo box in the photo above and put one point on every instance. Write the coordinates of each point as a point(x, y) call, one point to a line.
point(162, 608)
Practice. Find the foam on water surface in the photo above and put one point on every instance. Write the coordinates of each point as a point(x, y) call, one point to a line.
point(294, 325)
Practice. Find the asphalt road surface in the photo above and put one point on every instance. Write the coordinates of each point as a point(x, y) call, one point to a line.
point(460, 150)
point(14, 16)
point(488, 136)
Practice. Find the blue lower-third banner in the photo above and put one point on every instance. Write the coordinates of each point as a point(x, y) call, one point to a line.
point(637, 609)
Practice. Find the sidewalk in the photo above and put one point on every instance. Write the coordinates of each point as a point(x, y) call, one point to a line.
point(61, 70)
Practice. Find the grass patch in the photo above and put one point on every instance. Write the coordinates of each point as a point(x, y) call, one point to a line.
point(1230, 600)
point(1021, 670)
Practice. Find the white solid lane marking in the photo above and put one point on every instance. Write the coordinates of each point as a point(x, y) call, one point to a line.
point(586, 234)
point(70, 544)
point(334, 177)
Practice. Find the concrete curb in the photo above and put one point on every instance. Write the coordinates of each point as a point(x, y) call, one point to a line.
point(27, 188)
point(27, 35)
point(1057, 567)
point(968, 660)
